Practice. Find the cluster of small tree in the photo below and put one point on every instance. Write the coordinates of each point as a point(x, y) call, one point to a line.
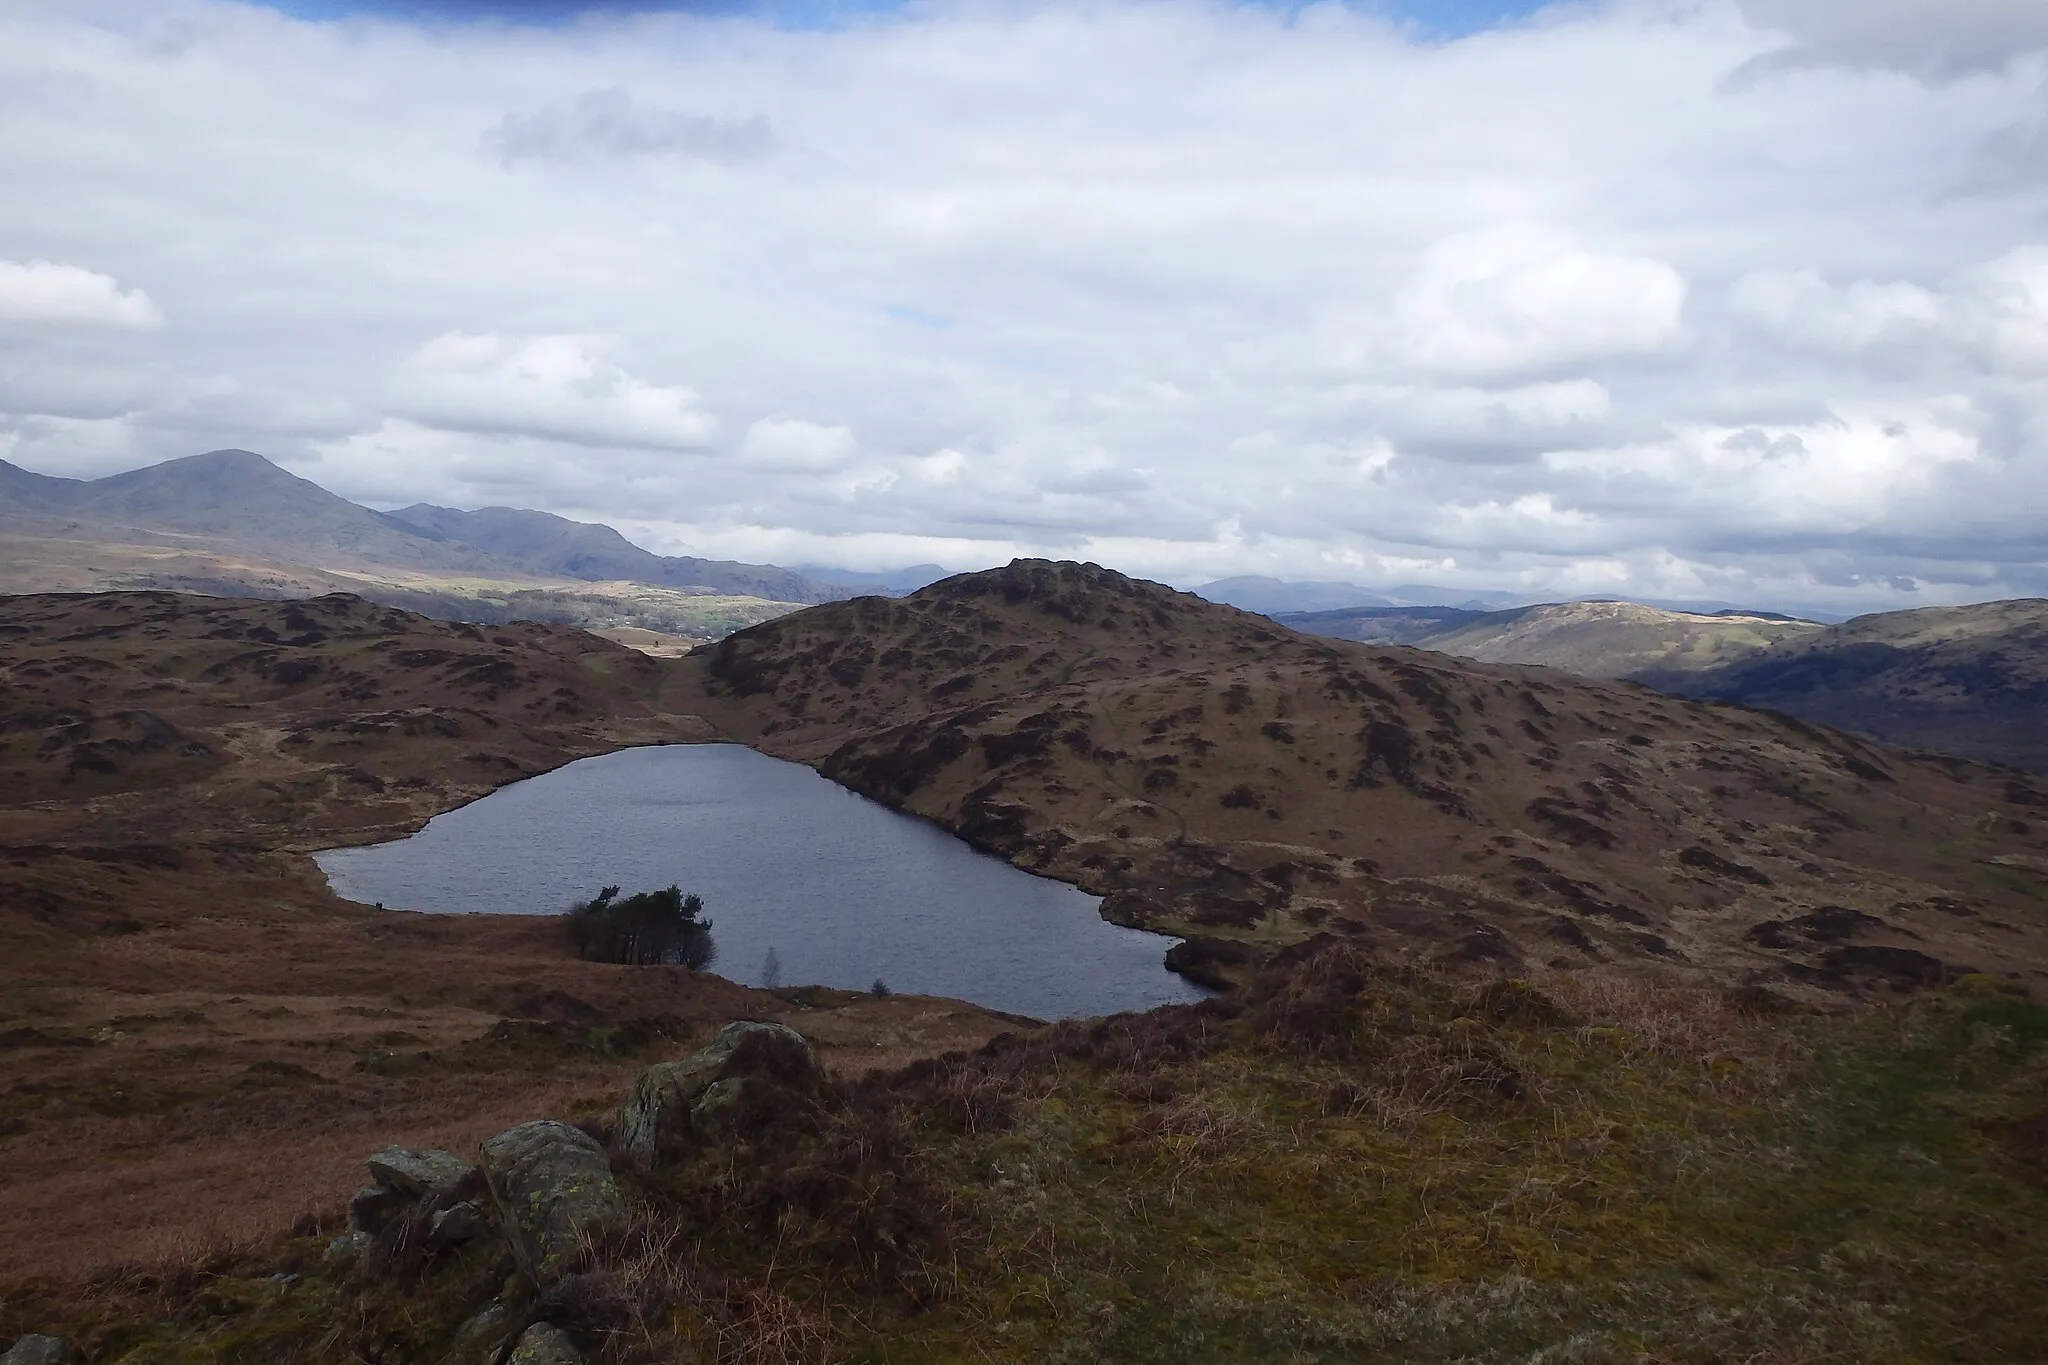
point(643, 929)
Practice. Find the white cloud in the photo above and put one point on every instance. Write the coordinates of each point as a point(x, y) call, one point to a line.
point(561, 388)
point(1191, 288)
point(1518, 300)
point(1993, 315)
point(1934, 37)
point(788, 445)
point(41, 292)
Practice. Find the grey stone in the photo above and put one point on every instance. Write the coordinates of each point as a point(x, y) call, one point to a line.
point(37, 1349)
point(462, 1222)
point(486, 1332)
point(553, 1191)
point(419, 1174)
point(372, 1207)
point(684, 1097)
point(545, 1344)
point(345, 1250)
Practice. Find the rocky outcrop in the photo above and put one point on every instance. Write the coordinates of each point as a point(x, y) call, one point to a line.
point(419, 1174)
point(37, 1349)
point(545, 1344)
point(400, 1179)
point(456, 1224)
point(1204, 960)
point(692, 1097)
point(553, 1192)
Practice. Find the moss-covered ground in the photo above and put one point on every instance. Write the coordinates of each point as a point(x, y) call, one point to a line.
point(1346, 1164)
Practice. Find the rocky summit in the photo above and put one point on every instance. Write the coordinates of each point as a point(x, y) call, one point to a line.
point(1212, 773)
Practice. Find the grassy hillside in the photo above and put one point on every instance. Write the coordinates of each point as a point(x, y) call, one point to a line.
point(1616, 639)
point(199, 1039)
point(1349, 1164)
point(1214, 774)
point(32, 564)
point(1962, 680)
point(1592, 639)
point(1970, 681)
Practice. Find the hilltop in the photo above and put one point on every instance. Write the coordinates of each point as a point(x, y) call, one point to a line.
point(1215, 774)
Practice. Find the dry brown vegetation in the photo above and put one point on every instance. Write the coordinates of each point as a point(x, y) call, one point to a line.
point(1215, 774)
point(1344, 1163)
point(197, 1038)
point(1640, 1147)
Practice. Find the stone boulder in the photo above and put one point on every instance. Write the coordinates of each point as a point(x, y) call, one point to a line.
point(371, 1208)
point(677, 1100)
point(419, 1174)
point(456, 1224)
point(37, 1349)
point(400, 1178)
point(545, 1344)
point(553, 1191)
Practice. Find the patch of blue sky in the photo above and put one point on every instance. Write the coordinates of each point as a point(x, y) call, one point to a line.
point(1437, 18)
point(917, 317)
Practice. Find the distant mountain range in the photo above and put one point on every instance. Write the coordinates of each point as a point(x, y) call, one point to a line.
point(1964, 680)
point(545, 544)
point(1608, 639)
point(889, 581)
point(231, 522)
point(1271, 596)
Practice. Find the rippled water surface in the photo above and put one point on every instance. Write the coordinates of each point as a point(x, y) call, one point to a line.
point(844, 890)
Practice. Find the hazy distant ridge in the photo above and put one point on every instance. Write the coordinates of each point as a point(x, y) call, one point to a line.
point(543, 543)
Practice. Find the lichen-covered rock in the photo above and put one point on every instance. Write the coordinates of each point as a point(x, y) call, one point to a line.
point(486, 1333)
point(684, 1097)
point(37, 1349)
point(553, 1191)
point(545, 1344)
point(345, 1250)
point(456, 1224)
point(372, 1207)
point(419, 1174)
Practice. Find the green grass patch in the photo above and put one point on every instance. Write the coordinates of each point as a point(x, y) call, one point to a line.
point(1348, 1164)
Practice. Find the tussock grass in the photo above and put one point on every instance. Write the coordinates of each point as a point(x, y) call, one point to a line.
point(1349, 1163)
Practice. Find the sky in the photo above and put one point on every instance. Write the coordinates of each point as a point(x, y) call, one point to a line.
point(1734, 300)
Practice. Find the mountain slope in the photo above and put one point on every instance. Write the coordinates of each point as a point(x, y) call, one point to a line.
point(231, 522)
point(1593, 639)
point(22, 489)
point(238, 501)
point(163, 717)
point(1614, 639)
point(1965, 680)
point(1212, 772)
point(1381, 625)
point(543, 543)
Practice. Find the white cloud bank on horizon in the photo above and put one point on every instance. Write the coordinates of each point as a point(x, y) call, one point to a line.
point(1727, 300)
